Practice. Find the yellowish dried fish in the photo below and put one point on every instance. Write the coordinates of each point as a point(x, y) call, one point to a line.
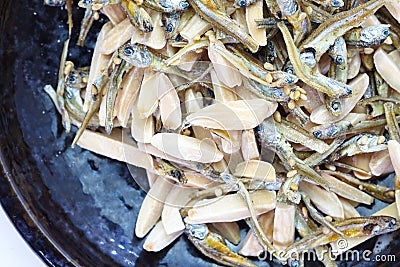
point(187, 148)
point(232, 115)
point(210, 12)
point(256, 169)
point(321, 115)
point(158, 238)
point(230, 208)
point(152, 206)
point(390, 210)
point(327, 32)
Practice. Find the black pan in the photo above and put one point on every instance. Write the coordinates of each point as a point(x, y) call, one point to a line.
point(72, 206)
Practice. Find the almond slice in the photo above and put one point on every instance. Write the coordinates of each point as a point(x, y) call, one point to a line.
point(387, 68)
point(233, 115)
point(158, 238)
point(187, 148)
point(152, 206)
point(230, 208)
point(325, 201)
point(256, 169)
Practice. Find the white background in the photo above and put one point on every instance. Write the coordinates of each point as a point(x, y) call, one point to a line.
point(14, 251)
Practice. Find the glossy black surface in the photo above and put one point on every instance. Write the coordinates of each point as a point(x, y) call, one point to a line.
point(60, 198)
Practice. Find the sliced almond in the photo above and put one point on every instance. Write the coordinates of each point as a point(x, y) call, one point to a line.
point(395, 56)
point(321, 115)
point(125, 98)
point(362, 161)
point(152, 206)
point(249, 145)
point(380, 163)
point(226, 72)
point(151, 177)
point(387, 68)
point(394, 152)
point(148, 100)
point(349, 210)
point(158, 238)
point(325, 201)
point(394, 9)
point(221, 92)
point(230, 208)
point(347, 191)
point(284, 225)
point(187, 148)
point(256, 169)
point(233, 160)
point(115, 13)
point(254, 12)
point(170, 108)
point(113, 146)
point(354, 64)
point(176, 199)
point(116, 37)
point(250, 245)
point(195, 27)
point(188, 60)
point(233, 115)
point(232, 144)
point(192, 102)
point(142, 129)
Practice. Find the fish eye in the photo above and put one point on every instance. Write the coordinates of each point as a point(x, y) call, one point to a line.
point(183, 5)
point(317, 134)
point(336, 3)
point(169, 28)
point(87, 2)
point(72, 79)
point(242, 3)
point(339, 60)
point(335, 106)
point(392, 223)
point(385, 31)
point(128, 51)
point(289, 80)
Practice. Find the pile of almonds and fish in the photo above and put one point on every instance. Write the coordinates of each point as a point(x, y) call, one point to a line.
point(282, 114)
